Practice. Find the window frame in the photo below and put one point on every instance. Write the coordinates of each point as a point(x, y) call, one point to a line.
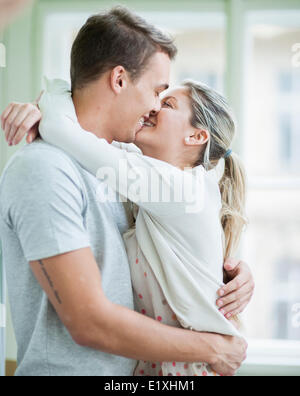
point(272, 358)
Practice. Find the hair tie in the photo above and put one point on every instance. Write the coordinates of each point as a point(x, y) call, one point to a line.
point(228, 153)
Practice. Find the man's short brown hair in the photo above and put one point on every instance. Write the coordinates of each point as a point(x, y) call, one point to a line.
point(116, 38)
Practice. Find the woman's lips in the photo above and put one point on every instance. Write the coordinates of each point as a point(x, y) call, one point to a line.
point(140, 125)
point(139, 128)
point(144, 123)
point(149, 124)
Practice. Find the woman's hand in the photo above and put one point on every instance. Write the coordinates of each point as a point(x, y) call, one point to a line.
point(237, 293)
point(20, 119)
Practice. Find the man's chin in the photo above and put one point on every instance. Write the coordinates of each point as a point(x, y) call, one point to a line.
point(137, 138)
point(130, 138)
point(138, 128)
point(127, 137)
point(143, 134)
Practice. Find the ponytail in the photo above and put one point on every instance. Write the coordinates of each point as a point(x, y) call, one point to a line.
point(210, 111)
point(233, 193)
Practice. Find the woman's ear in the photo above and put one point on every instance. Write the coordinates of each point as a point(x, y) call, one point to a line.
point(118, 79)
point(200, 137)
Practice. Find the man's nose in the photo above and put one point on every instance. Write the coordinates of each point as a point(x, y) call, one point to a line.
point(156, 109)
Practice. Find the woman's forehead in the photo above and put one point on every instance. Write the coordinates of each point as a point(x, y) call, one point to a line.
point(177, 91)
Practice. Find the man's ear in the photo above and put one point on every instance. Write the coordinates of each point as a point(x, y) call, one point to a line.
point(118, 79)
point(200, 137)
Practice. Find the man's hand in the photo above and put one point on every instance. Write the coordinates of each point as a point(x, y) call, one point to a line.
point(229, 354)
point(237, 293)
point(20, 119)
point(95, 322)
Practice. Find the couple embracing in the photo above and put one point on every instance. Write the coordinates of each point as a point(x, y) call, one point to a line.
point(131, 285)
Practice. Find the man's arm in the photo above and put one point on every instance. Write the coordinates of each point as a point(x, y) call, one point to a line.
point(49, 223)
point(72, 283)
point(19, 120)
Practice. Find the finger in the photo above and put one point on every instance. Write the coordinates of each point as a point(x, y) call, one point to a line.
point(226, 311)
point(236, 306)
point(232, 287)
point(26, 126)
point(231, 264)
point(17, 122)
point(235, 284)
point(32, 135)
point(235, 295)
point(238, 268)
point(25, 112)
point(240, 310)
point(5, 114)
point(8, 123)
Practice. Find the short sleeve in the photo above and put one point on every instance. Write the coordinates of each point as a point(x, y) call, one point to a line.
point(42, 200)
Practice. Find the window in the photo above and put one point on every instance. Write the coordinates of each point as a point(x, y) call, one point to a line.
point(286, 280)
point(289, 119)
point(213, 38)
point(270, 137)
point(200, 38)
point(272, 155)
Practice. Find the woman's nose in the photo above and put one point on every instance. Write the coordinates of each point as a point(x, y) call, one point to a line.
point(156, 109)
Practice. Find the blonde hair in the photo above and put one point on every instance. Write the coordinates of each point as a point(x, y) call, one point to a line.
point(211, 112)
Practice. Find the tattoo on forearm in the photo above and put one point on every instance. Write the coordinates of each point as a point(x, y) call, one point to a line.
point(50, 282)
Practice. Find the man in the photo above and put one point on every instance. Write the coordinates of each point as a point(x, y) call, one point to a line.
point(50, 218)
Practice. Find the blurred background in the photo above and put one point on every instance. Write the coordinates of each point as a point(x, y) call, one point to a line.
point(250, 51)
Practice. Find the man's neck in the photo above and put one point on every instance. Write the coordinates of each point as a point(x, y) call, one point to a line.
point(92, 116)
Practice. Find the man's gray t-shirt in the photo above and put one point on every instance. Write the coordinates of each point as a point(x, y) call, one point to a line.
point(49, 206)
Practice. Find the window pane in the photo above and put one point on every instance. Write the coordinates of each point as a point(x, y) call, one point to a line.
point(200, 38)
point(273, 103)
point(273, 249)
point(272, 153)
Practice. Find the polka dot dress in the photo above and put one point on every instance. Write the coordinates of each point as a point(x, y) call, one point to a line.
point(150, 301)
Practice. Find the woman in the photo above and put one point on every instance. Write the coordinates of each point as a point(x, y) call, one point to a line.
point(177, 249)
